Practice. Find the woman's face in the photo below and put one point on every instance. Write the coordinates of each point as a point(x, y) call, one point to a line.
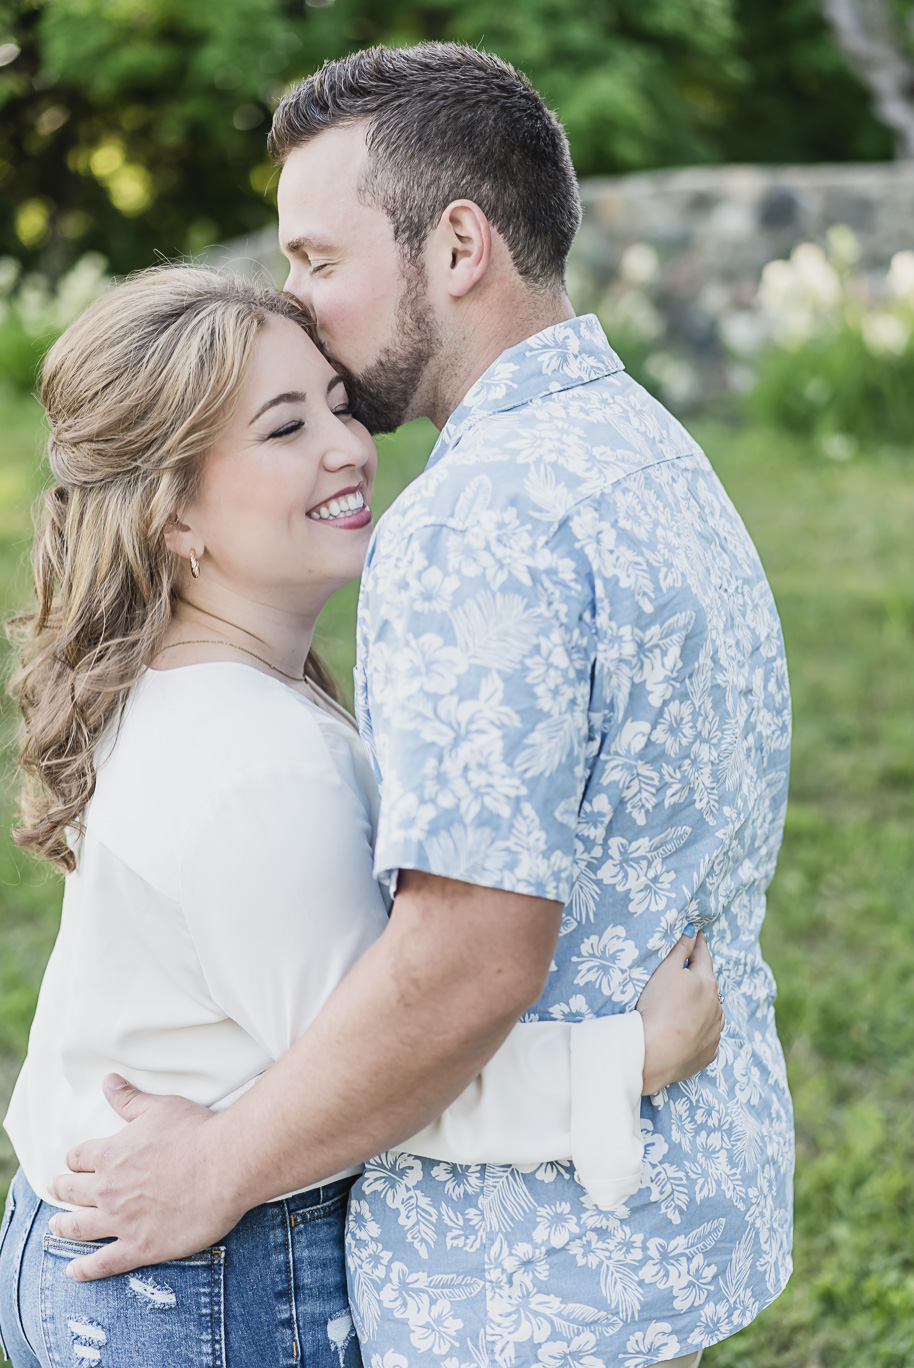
point(283, 509)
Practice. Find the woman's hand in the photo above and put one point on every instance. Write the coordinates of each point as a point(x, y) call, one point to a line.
point(683, 1015)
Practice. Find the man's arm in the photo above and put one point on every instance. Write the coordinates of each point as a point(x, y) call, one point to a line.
point(404, 1033)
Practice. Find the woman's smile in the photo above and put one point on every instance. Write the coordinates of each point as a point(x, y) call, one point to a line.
point(346, 508)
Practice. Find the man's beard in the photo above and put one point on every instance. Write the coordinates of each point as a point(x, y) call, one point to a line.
point(382, 395)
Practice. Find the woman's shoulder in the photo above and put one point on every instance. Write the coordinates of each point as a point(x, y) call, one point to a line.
point(191, 737)
point(215, 719)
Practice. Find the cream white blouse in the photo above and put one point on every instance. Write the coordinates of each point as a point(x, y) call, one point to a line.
point(223, 889)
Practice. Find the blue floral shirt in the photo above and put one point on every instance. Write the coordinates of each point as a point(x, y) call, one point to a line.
point(572, 682)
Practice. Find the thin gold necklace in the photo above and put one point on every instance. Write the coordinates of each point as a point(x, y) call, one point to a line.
point(233, 646)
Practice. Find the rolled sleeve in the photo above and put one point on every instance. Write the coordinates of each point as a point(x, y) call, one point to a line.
point(553, 1091)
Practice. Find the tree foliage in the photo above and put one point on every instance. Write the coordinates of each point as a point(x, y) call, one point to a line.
point(136, 127)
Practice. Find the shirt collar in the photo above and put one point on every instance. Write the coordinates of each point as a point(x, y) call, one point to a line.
point(558, 358)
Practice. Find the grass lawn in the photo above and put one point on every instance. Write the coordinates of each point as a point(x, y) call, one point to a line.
point(836, 541)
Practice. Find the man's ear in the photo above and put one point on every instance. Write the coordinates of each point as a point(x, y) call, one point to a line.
point(464, 242)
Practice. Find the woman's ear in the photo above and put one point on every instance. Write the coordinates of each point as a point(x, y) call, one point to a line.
point(181, 539)
point(465, 246)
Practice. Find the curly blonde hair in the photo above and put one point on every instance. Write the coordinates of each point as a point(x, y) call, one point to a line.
point(137, 392)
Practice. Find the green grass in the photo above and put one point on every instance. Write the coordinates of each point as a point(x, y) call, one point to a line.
point(837, 544)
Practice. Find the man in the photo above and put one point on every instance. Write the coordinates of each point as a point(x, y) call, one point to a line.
point(572, 676)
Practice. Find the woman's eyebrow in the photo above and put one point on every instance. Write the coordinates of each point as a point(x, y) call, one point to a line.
point(290, 397)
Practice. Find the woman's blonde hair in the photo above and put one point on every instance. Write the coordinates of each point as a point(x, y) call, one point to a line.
point(137, 392)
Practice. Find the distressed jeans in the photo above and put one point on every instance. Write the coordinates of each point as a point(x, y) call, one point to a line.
point(273, 1293)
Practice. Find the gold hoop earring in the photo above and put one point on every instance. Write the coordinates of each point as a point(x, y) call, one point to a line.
point(194, 564)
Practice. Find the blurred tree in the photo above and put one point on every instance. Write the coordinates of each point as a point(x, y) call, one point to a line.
point(136, 126)
point(878, 37)
point(133, 127)
point(798, 100)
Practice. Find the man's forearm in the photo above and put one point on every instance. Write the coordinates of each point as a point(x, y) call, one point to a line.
point(403, 1034)
point(374, 1068)
point(407, 1030)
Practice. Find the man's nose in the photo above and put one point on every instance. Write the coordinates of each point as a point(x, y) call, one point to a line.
point(297, 284)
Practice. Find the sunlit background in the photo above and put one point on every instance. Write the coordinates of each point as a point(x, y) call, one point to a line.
point(747, 171)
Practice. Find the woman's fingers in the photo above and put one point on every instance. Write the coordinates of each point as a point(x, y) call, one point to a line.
point(684, 946)
point(700, 959)
point(682, 1016)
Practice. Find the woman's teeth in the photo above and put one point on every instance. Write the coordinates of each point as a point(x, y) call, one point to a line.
point(340, 507)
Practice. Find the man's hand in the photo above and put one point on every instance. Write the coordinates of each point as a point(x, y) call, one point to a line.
point(683, 1015)
point(408, 1028)
point(118, 1185)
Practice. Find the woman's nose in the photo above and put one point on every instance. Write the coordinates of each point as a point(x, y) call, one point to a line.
point(348, 446)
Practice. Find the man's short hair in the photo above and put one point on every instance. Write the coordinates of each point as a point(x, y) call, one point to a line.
point(447, 122)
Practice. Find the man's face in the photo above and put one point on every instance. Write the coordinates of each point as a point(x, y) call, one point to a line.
point(372, 313)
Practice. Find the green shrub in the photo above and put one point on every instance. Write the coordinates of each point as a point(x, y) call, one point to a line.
point(33, 314)
point(839, 362)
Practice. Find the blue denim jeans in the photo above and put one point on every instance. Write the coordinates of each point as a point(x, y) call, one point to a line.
point(273, 1293)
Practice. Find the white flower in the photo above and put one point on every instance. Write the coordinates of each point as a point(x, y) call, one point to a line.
point(639, 263)
point(436, 1330)
point(434, 591)
point(885, 334)
point(652, 1345)
point(800, 298)
point(361, 1224)
point(843, 245)
point(390, 1360)
point(815, 274)
point(606, 961)
point(675, 728)
point(574, 1353)
point(900, 279)
point(460, 1180)
point(678, 380)
point(555, 1224)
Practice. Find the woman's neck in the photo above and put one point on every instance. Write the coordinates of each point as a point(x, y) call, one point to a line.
point(209, 626)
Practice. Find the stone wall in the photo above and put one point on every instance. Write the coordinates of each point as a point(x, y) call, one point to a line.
point(673, 259)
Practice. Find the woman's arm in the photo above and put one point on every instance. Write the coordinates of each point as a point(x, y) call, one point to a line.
point(559, 1090)
point(278, 896)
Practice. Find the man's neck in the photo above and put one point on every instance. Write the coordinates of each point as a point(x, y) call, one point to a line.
point(492, 333)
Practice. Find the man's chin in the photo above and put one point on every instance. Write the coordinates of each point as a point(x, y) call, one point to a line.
point(374, 410)
point(375, 413)
point(387, 392)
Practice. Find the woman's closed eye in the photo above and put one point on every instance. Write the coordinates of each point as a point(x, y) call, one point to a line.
point(294, 425)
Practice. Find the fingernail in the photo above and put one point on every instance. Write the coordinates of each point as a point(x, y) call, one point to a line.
point(690, 929)
point(51, 1226)
point(69, 1272)
point(114, 1083)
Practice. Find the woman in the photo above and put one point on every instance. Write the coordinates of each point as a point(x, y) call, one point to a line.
point(209, 800)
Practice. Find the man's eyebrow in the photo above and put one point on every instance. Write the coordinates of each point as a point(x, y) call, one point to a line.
point(290, 397)
point(305, 244)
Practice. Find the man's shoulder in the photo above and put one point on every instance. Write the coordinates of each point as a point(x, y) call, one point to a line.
point(546, 453)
